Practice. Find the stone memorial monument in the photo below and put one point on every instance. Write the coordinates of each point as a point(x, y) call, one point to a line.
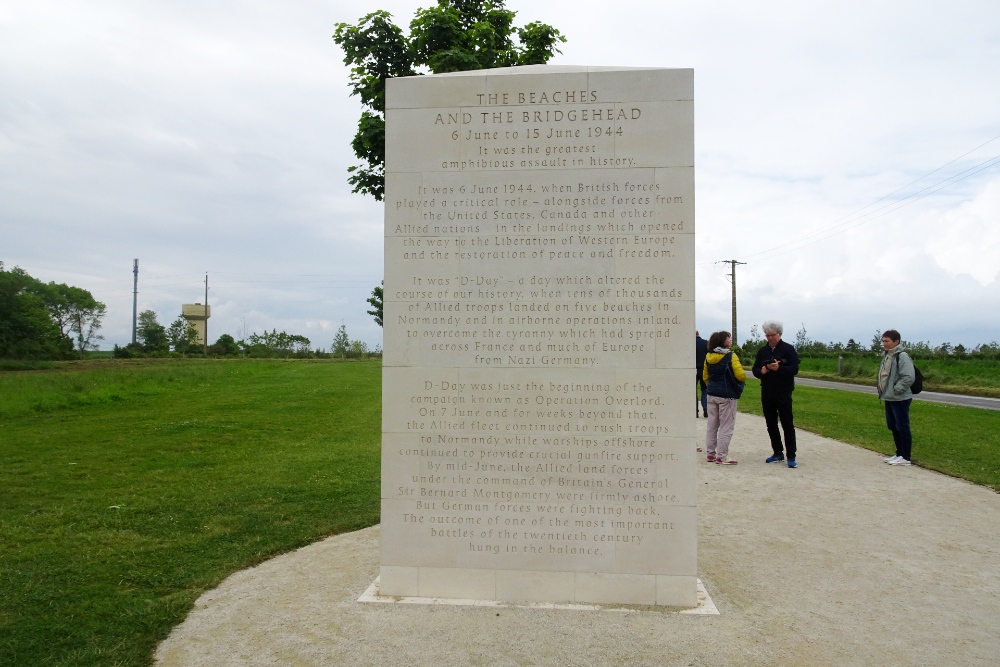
point(538, 443)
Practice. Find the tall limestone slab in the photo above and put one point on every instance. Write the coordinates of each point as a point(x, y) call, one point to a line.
point(538, 438)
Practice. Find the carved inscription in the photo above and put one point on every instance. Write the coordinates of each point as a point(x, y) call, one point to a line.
point(538, 325)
